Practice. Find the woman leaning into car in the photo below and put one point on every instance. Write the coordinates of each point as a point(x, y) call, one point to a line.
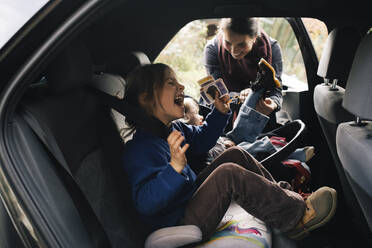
point(234, 53)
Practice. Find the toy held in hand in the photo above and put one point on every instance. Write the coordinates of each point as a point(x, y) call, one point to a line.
point(210, 87)
point(266, 78)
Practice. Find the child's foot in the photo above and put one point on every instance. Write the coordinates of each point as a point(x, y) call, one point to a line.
point(320, 208)
point(309, 152)
point(303, 154)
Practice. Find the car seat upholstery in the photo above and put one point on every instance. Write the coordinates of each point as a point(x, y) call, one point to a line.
point(334, 66)
point(112, 85)
point(111, 80)
point(123, 62)
point(89, 141)
point(354, 139)
point(338, 54)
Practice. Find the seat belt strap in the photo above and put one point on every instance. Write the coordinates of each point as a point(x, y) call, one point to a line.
point(89, 218)
point(135, 112)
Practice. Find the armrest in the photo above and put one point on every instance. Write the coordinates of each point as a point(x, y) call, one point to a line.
point(171, 237)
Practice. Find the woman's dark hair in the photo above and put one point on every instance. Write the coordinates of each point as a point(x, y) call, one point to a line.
point(145, 79)
point(240, 25)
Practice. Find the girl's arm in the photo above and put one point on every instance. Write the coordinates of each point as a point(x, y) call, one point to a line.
point(155, 183)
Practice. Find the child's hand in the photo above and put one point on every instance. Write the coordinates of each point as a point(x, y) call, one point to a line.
point(229, 143)
point(244, 94)
point(266, 106)
point(178, 157)
point(222, 103)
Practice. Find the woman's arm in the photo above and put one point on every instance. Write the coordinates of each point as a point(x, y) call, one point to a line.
point(277, 64)
point(211, 61)
point(277, 97)
point(277, 60)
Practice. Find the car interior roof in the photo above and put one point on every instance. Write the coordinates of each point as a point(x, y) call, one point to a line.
point(152, 25)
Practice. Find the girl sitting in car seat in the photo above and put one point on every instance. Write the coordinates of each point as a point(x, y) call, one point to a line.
point(165, 190)
point(247, 127)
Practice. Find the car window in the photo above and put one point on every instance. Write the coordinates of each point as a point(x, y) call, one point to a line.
point(14, 14)
point(294, 74)
point(318, 34)
point(184, 53)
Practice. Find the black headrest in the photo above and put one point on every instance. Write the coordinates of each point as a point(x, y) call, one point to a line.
point(338, 53)
point(124, 62)
point(71, 69)
point(357, 99)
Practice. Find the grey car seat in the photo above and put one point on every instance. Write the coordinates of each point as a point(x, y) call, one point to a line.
point(88, 139)
point(334, 67)
point(354, 138)
point(123, 62)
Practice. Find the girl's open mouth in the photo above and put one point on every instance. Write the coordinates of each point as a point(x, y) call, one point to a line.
point(179, 101)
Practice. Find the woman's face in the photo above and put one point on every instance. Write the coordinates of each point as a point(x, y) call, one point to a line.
point(169, 104)
point(238, 45)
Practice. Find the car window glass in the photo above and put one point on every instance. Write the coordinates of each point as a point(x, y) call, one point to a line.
point(318, 34)
point(294, 74)
point(184, 53)
point(14, 14)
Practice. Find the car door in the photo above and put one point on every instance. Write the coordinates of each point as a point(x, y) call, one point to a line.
point(13, 221)
point(27, 25)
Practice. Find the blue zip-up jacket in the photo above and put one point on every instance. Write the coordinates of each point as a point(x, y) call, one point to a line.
point(160, 193)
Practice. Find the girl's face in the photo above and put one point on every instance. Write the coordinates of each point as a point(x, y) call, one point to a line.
point(169, 104)
point(238, 45)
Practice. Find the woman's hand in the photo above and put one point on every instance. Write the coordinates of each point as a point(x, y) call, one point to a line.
point(222, 103)
point(266, 106)
point(178, 156)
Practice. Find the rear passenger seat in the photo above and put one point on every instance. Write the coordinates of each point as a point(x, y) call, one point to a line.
point(89, 141)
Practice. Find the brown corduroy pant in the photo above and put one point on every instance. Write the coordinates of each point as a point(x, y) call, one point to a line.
point(236, 175)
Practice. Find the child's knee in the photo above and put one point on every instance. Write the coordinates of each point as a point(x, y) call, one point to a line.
point(228, 170)
point(234, 152)
point(239, 155)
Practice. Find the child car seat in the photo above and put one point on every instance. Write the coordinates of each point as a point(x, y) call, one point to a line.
point(293, 133)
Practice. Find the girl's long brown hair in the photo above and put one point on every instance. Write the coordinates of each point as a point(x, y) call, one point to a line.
point(146, 79)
